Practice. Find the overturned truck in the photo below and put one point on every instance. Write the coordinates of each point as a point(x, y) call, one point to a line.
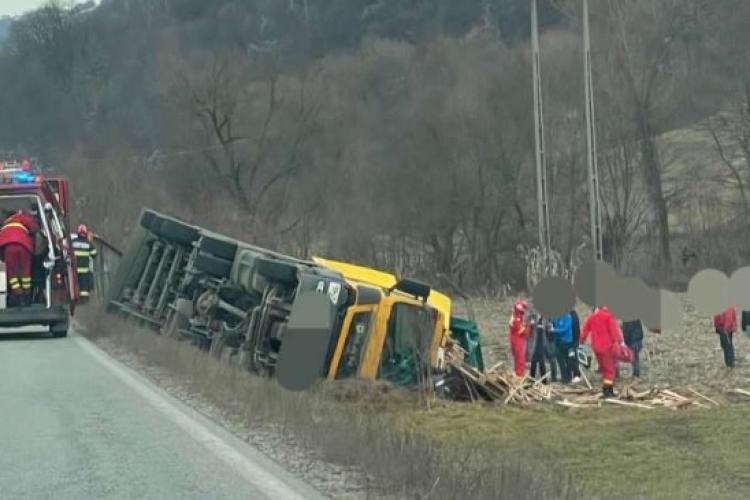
point(234, 299)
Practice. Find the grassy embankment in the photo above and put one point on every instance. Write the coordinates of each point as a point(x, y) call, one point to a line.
point(456, 450)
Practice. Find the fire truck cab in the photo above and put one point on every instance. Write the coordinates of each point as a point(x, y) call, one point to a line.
point(54, 291)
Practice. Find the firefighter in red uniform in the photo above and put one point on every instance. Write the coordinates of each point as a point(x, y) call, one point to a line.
point(16, 249)
point(607, 344)
point(518, 333)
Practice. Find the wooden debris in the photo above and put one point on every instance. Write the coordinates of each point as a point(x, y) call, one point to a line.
point(586, 379)
point(740, 391)
point(501, 385)
point(627, 403)
point(567, 403)
point(703, 397)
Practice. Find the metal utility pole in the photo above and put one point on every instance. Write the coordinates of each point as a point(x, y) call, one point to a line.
point(593, 168)
point(541, 163)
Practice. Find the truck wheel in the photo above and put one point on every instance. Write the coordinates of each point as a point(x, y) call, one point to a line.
point(131, 264)
point(277, 271)
point(174, 324)
point(219, 268)
point(149, 219)
point(221, 342)
point(218, 248)
point(59, 330)
point(177, 232)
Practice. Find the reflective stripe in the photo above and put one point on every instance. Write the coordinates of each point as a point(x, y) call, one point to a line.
point(83, 270)
point(84, 293)
point(15, 286)
point(16, 225)
point(82, 253)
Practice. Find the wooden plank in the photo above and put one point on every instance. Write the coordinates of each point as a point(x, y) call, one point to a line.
point(674, 395)
point(586, 379)
point(568, 404)
point(739, 391)
point(494, 367)
point(703, 397)
point(626, 403)
point(641, 395)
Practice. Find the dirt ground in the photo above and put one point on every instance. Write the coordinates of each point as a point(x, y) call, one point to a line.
point(690, 357)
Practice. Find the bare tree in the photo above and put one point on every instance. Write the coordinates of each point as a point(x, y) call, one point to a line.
point(648, 37)
point(252, 131)
point(730, 133)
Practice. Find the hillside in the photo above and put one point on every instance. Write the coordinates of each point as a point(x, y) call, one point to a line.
point(392, 133)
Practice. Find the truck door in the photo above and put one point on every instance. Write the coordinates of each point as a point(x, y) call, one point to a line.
point(60, 188)
point(66, 265)
point(353, 338)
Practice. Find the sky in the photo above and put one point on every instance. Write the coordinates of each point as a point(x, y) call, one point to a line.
point(15, 7)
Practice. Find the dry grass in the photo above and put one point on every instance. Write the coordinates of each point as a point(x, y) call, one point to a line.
point(456, 450)
point(365, 425)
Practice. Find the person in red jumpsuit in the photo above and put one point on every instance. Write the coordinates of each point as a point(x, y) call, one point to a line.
point(518, 332)
point(16, 250)
point(607, 344)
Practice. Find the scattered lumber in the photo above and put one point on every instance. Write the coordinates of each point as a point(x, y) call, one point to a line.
point(502, 386)
point(703, 397)
point(627, 403)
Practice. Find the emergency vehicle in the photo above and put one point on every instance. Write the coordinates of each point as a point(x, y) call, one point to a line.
point(54, 282)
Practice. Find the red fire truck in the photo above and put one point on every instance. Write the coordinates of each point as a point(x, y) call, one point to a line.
point(54, 280)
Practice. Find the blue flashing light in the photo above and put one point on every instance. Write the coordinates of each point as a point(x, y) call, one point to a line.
point(24, 178)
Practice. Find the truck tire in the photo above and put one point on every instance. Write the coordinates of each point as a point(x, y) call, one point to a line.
point(221, 341)
point(218, 248)
point(176, 232)
point(274, 270)
point(59, 330)
point(131, 264)
point(148, 219)
point(214, 266)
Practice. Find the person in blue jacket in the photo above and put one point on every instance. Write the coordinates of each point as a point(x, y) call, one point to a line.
point(562, 326)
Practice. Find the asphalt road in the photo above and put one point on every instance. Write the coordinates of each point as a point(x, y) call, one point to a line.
point(75, 424)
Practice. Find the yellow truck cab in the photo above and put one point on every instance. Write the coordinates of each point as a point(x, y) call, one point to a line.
point(392, 326)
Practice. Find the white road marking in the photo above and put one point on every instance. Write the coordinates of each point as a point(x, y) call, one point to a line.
point(259, 471)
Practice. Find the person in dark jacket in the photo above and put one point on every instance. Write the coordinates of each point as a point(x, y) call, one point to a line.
point(632, 333)
point(550, 350)
point(745, 327)
point(573, 362)
point(85, 252)
point(537, 346)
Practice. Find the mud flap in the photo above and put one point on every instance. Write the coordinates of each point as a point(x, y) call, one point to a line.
point(304, 349)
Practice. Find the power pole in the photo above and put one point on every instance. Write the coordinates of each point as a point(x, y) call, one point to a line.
point(593, 168)
point(541, 167)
